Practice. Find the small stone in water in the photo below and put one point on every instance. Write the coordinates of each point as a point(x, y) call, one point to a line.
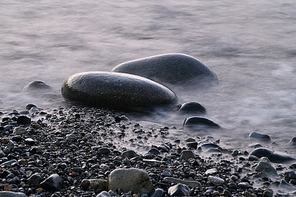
point(259, 136)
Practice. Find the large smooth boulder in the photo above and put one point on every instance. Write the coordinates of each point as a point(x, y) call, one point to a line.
point(117, 91)
point(172, 68)
point(132, 179)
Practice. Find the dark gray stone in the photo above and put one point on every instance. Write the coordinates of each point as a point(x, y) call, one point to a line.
point(158, 193)
point(260, 136)
point(171, 68)
point(273, 157)
point(179, 190)
point(192, 108)
point(24, 120)
point(195, 122)
point(53, 183)
point(293, 141)
point(187, 154)
point(117, 91)
point(129, 154)
point(12, 194)
point(34, 180)
point(37, 86)
point(132, 179)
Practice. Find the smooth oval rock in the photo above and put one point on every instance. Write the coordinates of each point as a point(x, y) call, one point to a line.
point(172, 68)
point(192, 108)
point(200, 123)
point(132, 179)
point(117, 91)
point(273, 157)
point(260, 136)
point(37, 86)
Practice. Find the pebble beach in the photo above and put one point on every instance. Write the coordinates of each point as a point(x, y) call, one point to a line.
point(71, 151)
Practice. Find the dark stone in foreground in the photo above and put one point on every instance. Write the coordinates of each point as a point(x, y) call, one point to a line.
point(52, 183)
point(116, 91)
point(12, 194)
point(200, 123)
point(273, 157)
point(169, 68)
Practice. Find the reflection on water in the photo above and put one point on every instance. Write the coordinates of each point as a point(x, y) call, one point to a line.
point(249, 44)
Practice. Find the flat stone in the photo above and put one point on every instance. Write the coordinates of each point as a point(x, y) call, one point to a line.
point(117, 91)
point(12, 194)
point(132, 179)
point(171, 68)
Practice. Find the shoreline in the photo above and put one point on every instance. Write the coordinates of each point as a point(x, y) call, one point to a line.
point(80, 143)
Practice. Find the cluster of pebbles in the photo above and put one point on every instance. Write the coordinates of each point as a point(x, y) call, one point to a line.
point(83, 151)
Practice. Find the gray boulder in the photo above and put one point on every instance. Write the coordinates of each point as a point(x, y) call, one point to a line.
point(132, 179)
point(172, 68)
point(117, 91)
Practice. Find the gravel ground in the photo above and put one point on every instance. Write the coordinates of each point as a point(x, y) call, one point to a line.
point(73, 144)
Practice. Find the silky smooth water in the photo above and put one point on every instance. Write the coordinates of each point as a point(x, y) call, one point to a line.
point(251, 46)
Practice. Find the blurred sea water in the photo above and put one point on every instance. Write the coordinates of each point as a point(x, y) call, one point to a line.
point(251, 46)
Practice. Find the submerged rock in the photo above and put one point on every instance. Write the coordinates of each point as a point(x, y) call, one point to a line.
point(133, 179)
point(116, 91)
point(192, 108)
point(37, 86)
point(200, 123)
point(260, 136)
point(171, 68)
point(273, 157)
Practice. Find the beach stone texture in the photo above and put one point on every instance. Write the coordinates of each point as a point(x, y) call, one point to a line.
point(117, 91)
point(172, 68)
point(12, 194)
point(37, 86)
point(132, 179)
point(196, 122)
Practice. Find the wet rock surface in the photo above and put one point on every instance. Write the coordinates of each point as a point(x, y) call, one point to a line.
point(74, 152)
point(116, 91)
point(170, 68)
